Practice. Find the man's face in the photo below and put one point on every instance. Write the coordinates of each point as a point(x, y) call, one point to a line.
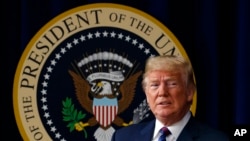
point(168, 95)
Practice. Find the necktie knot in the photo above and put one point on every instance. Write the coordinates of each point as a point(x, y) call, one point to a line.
point(164, 133)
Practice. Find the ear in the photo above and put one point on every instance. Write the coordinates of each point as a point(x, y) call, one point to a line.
point(146, 94)
point(191, 92)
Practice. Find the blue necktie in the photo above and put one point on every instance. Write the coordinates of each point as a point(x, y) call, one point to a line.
point(164, 133)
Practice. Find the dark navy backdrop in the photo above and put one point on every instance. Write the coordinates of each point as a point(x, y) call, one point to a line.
point(214, 33)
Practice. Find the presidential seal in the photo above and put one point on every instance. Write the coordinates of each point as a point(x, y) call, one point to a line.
point(79, 78)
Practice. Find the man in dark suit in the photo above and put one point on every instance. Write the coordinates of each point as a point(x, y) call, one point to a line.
point(169, 86)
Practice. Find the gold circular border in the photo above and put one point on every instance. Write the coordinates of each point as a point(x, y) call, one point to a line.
point(59, 18)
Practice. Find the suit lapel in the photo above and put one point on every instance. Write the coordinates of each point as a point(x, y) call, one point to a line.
point(146, 133)
point(190, 131)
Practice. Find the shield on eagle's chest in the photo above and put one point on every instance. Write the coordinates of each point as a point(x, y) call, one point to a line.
point(105, 110)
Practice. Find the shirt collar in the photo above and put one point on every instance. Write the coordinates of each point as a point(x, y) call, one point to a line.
point(175, 129)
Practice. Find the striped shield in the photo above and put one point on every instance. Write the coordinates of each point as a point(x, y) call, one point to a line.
point(105, 110)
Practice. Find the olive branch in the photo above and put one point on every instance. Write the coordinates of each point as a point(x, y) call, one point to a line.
point(73, 116)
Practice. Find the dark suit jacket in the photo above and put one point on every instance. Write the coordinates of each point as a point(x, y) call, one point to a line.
point(193, 131)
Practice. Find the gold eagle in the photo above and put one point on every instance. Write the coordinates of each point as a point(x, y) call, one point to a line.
point(127, 89)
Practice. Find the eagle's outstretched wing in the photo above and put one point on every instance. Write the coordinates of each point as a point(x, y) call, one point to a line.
point(82, 88)
point(128, 90)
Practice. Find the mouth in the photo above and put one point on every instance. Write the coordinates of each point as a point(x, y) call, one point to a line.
point(164, 103)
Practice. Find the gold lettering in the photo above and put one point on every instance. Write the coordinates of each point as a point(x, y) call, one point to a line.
point(28, 109)
point(141, 26)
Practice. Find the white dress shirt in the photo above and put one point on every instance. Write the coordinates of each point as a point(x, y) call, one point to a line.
point(175, 129)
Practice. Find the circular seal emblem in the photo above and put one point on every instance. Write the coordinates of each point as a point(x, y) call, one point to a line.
point(79, 76)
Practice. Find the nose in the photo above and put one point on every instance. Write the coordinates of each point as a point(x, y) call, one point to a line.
point(163, 90)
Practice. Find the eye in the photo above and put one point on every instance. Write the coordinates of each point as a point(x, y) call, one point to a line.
point(172, 84)
point(154, 85)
